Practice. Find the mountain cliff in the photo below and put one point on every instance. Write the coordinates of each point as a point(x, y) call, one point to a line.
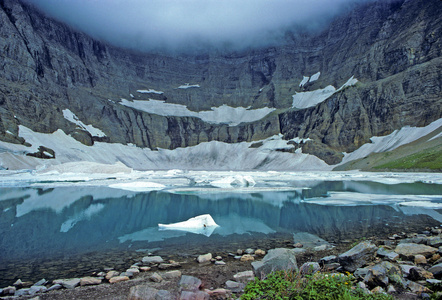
point(53, 77)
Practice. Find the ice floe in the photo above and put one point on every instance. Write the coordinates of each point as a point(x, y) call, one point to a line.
point(71, 117)
point(138, 186)
point(203, 224)
point(234, 181)
point(218, 115)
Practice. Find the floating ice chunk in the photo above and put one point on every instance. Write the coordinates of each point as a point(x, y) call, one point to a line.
point(187, 86)
point(234, 181)
point(203, 224)
point(315, 77)
point(138, 186)
point(150, 91)
point(71, 117)
point(304, 81)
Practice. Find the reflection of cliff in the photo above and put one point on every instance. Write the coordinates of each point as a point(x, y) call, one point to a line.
point(92, 225)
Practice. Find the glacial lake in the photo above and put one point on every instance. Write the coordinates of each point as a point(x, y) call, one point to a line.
point(50, 230)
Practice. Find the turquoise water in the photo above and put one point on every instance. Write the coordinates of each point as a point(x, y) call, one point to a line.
point(66, 231)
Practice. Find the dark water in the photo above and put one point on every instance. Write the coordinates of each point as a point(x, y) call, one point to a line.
point(71, 231)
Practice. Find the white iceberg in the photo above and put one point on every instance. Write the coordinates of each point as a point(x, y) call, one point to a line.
point(203, 224)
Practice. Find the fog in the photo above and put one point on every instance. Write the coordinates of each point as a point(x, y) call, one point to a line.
point(183, 25)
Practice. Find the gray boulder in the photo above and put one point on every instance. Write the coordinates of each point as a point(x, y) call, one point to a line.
point(358, 256)
point(275, 259)
point(199, 295)
point(436, 270)
point(309, 268)
point(189, 283)
point(409, 250)
point(147, 260)
point(142, 292)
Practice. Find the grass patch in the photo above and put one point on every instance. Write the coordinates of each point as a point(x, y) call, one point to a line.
point(430, 159)
point(281, 285)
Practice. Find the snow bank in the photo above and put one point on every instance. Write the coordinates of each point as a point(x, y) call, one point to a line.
point(85, 167)
point(150, 91)
point(188, 86)
point(219, 115)
point(205, 156)
point(138, 186)
point(71, 117)
point(392, 141)
point(312, 98)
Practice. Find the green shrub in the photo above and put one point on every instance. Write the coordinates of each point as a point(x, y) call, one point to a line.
point(283, 285)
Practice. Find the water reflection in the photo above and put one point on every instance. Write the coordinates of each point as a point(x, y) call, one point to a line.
point(40, 223)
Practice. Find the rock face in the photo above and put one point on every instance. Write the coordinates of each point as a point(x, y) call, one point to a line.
point(392, 48)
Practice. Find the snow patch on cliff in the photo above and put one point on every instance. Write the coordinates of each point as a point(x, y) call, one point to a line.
point(397, 138)
point(312, 98)
point(150, 91)
point(188, 86)
point(71, 117)
point(219, 115)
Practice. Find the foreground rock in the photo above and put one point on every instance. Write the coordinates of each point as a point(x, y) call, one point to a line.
point(276, 259)
point(358, 256)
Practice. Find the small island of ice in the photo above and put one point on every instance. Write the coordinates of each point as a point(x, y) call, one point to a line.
point(203, 224)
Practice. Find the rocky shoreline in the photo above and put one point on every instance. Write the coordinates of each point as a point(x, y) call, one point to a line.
point(406, 266)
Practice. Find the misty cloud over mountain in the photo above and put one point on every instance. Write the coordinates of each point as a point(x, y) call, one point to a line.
point(180, 25)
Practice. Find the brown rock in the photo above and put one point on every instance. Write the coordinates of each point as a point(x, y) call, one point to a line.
point(111, 274)
point(247, 257)
point(260, 252)
point(90, 281)
point(118, 279)
point(420, 259)
point(409, 250)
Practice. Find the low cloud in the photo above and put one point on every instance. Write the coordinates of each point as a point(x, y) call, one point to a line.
point(180, 25)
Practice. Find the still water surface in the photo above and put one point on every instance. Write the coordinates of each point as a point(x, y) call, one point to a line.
point(70, 231)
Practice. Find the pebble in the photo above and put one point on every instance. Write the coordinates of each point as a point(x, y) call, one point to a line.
point(260, 252)
point(220, 263)
point(145, 269)
point(111, 274)
point(90, 281)
point(204, 258)
point(249, 251)
point(172, 274)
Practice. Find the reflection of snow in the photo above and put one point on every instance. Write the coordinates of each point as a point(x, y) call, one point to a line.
point(203, 224)
point(86, 214)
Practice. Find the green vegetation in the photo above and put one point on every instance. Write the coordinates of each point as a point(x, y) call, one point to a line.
point(283, 285)
point(430, 159)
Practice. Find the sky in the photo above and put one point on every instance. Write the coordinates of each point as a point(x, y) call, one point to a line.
point(181, 25)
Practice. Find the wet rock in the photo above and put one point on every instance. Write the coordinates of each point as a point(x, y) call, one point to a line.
point(276, 259)
point(150, 260)
point(111, 274)
point(199, 295)
point(128, 274)
point(68, 283)
point(118, 279)
point(90, 281)
point(204, 258)
point(142, 292)
point(247, 257)
point(358, 256)
point(189, 283)
point(41, 282)
point(309, 268)
point(155, 277)
point(244, 277)
point(172, 274)
point(410, 250)
point(234, 286)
